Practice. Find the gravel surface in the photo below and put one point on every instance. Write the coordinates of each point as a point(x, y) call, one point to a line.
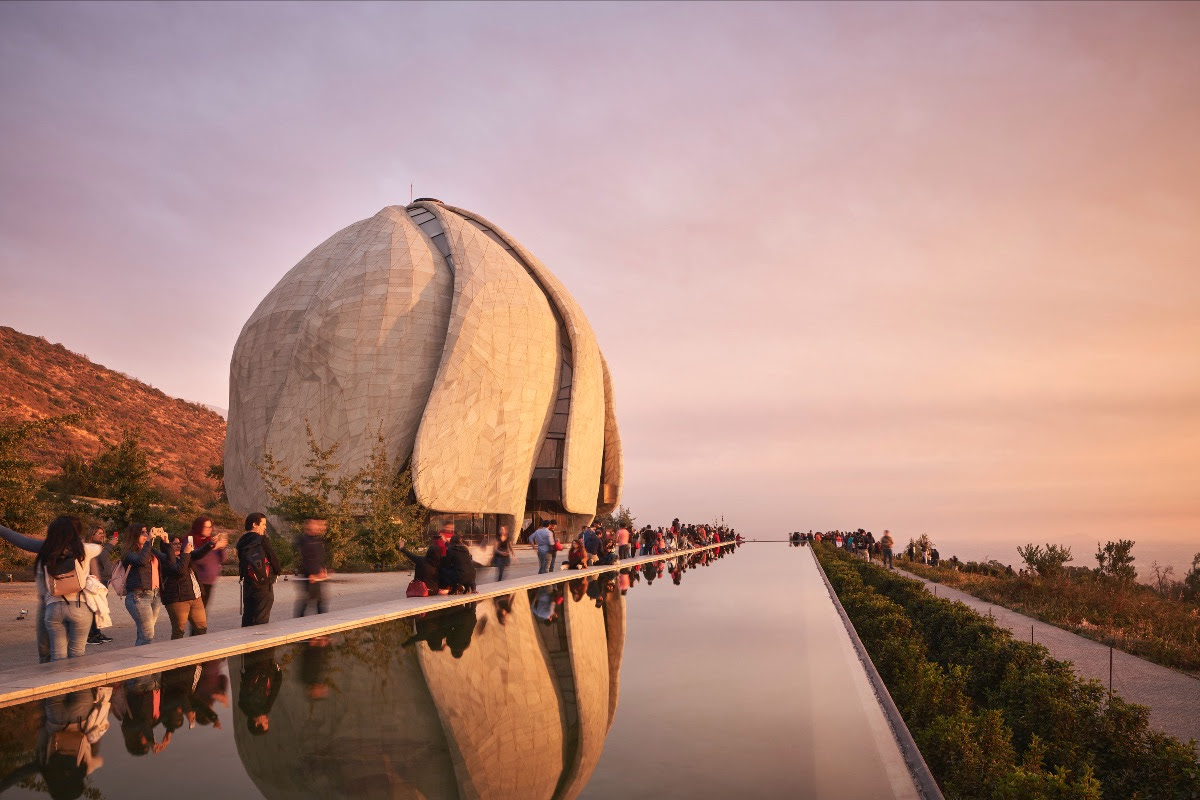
point(1172, 697)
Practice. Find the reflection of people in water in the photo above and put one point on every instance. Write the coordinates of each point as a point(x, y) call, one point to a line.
point(504, 607)
point(177, 687)
point(139, 708)
point(261, 679)
point(313, 666)
point(545, 603)
point(211, 688)
point(451, 628)
point(577, 588)
point(68, 746)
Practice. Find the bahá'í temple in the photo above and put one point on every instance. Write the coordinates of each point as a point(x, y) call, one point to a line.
point(434, 327)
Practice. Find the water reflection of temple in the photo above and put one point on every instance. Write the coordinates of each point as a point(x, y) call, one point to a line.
point(490, 700)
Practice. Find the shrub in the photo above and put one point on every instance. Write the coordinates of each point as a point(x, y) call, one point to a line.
point(998, 718)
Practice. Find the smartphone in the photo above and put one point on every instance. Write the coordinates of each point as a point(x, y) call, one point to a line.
point(189, 542)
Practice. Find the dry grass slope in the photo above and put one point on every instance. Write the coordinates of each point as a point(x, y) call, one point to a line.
point(39, 379)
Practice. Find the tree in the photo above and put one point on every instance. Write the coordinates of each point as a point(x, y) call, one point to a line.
point(1116, 560)
point(390, 514)
point(1162, 577)
point(1046, 563)
point(316, 494)
point(1191, 581)
point(623, 518)
point(21, 504)
point(122, 472)
point(217, 473)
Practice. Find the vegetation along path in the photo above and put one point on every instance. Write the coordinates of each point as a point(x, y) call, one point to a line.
point(1172, 697)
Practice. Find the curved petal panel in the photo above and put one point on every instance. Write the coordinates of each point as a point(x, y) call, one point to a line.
point(612, 473)
point(349, 341)
point(585, 431)
point(479, 435)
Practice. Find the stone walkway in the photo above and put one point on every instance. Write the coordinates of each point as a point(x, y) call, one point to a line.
point(352, 590)
point(1172, 697)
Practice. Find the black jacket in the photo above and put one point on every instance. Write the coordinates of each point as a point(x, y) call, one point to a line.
point(243, 544)
point(177, 583)
point(312, 555)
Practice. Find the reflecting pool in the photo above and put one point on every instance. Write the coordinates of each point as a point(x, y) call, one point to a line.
point(700, 676)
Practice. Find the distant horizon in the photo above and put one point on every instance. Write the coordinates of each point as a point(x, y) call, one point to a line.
point(927, 267)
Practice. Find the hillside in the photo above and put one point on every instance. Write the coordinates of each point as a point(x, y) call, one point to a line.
point(39, 379)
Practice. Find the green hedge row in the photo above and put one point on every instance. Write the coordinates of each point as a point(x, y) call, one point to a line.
point(998, 718)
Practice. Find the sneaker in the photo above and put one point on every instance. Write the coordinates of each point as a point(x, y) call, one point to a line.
point(99, 638)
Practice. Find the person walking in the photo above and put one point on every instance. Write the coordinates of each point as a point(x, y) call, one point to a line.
point(208, 566)
point(181, 590)
point(258, 568)
point(886, 543)
point(502, 553)
point(544, 540)
point(145, 566)
point(312, 567)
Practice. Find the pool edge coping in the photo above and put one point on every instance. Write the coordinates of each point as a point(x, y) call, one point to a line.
point(926, 784)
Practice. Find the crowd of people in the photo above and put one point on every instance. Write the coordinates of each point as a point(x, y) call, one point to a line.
point(152, 710)
point(601, 546)
point(78, 571)
point(863, 543)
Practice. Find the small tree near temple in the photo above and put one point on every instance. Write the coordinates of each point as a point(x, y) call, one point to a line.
point(1115, 560)
point(390, 515)
point(122, 472)
point(621, 518)
point(316, 494)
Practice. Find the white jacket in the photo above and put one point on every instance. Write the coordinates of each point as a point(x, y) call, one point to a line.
point(95, 595)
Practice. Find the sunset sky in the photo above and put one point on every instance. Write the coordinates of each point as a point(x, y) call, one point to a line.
point(927, 267)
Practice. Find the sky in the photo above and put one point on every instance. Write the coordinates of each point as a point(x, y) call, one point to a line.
point(926, 267)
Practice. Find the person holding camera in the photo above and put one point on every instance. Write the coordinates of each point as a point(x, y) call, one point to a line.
point(143, 581)
point(181, 591)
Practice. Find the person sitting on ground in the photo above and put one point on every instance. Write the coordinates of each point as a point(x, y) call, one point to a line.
point(426, 567)
point(464, 566)
point(577, 556)
point(606, 557)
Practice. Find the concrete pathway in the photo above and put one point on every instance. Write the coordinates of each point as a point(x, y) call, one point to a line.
point(1172, 697)
point(350, 590)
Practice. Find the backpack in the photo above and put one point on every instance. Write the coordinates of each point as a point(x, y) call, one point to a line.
point(63, 575)
point(256, 568)
point(117, 582)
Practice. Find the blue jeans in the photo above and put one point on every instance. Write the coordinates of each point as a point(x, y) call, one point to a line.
point(67, 625)
point(144, 606)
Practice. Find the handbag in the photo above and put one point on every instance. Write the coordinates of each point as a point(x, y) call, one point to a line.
point(558, 547)
point(416, 588)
